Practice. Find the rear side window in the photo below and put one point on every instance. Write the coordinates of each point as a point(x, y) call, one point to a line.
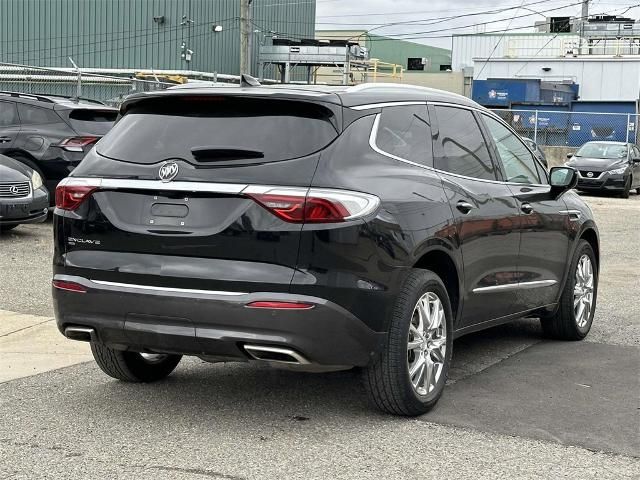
point(461, 146)
point(30, 115)
point(405, 132)
point(94, 122)
point(8, 114)
point(222, 129)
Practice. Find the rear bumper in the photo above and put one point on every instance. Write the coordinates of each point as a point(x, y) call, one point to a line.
point(215, 324)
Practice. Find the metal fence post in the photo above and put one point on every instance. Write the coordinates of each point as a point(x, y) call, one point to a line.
point(535, 128)
point(628, 123)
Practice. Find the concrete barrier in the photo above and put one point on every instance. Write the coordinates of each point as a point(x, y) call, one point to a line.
point(557, 156)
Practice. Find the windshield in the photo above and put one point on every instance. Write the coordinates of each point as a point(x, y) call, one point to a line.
point(201, 128)
point(602, 150)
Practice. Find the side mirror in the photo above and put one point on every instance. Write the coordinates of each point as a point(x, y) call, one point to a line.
point(562, 179)
point(569, 155)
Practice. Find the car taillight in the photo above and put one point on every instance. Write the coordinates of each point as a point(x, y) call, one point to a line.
point(301, 205)
point(77, 144)
point(69, 196)
point(69, 286)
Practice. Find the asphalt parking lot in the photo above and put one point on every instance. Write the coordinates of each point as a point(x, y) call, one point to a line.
point(517, 405)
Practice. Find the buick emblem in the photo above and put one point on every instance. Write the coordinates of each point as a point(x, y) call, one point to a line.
point(14, 190)
point(589, 174)
point(168, 171)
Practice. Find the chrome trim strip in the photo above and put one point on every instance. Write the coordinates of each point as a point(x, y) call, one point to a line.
point(372, 144)
point(370, 106)
point(299, 359)
point(167, 289)
point(124, 183)
point(515, 286)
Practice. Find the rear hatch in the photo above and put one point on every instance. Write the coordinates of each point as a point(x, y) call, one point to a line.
point(90, 123)
point(197, 191)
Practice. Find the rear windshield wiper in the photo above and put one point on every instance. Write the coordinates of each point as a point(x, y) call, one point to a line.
point(219, 154)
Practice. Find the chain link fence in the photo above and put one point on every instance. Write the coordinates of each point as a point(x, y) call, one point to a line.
point(556, 128)
point(109, 86)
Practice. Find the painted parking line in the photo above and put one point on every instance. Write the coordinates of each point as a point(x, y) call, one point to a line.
point(31, 344)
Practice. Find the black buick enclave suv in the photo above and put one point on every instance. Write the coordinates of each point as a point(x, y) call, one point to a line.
point(320, 229)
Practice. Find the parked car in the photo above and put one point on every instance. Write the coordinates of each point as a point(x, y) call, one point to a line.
point(23, 198)
point(607, 167)
point(51, 134)
point(536, 150)
point(318, 229)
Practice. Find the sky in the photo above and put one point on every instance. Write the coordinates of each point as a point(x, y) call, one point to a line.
point(441, 18)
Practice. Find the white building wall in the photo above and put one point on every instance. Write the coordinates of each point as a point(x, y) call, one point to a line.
point(600, 78)
point(465, 48)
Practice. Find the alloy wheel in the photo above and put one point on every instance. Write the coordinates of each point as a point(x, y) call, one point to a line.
point(427, 343)
point(583, 291)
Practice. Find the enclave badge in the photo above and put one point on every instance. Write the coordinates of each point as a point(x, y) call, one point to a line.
point(168, 171)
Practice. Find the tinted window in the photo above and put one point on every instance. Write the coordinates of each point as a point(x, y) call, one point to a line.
point(8, 114)
point(517, 161)
point(95, 122)
point(405, 132)
point(610, 151)
point(462, 146)
point(30, 115)
point(158, 129)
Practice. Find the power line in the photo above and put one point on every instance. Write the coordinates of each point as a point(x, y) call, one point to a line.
point(421, 11)
point(495, 47)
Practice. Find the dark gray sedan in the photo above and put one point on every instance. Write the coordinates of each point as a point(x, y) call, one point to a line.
point(607, 167)
point(23, 198)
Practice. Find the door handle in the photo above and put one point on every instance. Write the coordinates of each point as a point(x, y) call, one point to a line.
point(464, 207)
point(526, 208)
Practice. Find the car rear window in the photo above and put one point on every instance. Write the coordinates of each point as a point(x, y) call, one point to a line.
point(261, 130)
point(95, 122)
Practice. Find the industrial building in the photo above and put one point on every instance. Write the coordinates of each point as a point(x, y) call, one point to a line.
point(194, 35)
point(391, 60)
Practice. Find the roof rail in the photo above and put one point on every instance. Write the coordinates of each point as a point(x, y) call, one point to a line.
point(47, 97)
point(32, 96)
point(70, 97)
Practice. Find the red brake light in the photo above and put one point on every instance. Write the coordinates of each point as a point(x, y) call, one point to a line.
point(77, 144)
point(69, 286)
point(69, 197)
point(299, 209)
point(281, 305)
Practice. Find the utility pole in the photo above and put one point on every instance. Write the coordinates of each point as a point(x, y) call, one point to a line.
point(584, 17)
point(245, 32)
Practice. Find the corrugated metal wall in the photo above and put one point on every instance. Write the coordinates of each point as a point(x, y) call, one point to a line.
point(123, 34)
point(465, 48)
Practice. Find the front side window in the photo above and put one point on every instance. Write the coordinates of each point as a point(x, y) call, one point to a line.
point(405, 132)
point(8, 115)
point(517, 161)
point(461, 146)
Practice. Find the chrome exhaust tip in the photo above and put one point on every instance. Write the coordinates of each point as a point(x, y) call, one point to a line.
point(83, 334)
point(276, 355)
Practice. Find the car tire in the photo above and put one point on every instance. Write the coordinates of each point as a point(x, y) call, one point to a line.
point(133, 366)
point(388, 381)
point(568, 322)
point(627, 188)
